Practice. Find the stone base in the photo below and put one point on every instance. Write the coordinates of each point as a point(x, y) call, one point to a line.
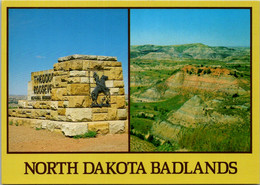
point(73, 128)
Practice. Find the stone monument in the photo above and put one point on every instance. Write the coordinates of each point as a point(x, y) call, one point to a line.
point(81, 93)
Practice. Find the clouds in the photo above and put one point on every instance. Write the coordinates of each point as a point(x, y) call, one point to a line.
point(40, 57)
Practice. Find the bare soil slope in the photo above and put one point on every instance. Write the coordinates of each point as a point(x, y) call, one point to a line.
point(25, 139)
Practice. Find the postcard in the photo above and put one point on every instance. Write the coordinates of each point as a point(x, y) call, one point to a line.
point(130, 92)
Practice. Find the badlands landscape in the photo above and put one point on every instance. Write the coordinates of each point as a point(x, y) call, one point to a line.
point(192, 98)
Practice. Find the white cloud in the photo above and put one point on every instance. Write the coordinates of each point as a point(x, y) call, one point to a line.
point(38, 56)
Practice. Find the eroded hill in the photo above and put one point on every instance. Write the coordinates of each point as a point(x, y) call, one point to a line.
point(176, 90)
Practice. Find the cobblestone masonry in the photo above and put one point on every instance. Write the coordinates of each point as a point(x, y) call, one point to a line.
point(59, 99)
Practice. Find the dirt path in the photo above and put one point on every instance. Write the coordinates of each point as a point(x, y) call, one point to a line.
point(25, 139)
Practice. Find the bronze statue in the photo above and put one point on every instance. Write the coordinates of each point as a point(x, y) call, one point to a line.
point(100, 88)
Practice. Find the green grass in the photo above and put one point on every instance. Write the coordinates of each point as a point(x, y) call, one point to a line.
point(88, 134)
point(139, 89)
point(167, 147)
point(159, 109)
point(139, 145)
point(217, 138)
point(38, 128)
point(211, 137)
point(12, 107)
point(142, 125)
point(228, 106)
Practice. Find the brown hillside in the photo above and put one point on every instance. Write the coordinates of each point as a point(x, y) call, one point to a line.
point(205, 78)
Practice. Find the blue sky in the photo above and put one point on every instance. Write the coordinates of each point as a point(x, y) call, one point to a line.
point(214, 27)
point(38, 37)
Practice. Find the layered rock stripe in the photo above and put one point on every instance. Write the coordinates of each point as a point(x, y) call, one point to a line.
point(62, 95)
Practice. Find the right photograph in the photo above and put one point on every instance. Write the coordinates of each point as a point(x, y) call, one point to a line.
point(190, 80)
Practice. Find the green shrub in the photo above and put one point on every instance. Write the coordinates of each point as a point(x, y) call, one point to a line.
point(235, 95)
point(199, 71)
point(140, 136)
point(10, 122)
point(159, 81)
point(167, 147)
point(150, 138)
point(38, 128)
point(208, 71)
point(88, 134)
point(154, 141)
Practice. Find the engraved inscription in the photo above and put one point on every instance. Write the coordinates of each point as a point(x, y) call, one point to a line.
point(42, 83)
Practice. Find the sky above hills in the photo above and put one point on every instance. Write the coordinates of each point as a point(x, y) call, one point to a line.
point(38, 37)
point(213, 27)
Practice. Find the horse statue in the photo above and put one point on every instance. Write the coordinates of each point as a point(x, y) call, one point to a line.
point(100, 88)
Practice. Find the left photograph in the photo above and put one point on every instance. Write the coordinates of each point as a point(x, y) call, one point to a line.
point(67, 80)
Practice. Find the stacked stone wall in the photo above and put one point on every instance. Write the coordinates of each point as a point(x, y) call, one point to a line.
point(69, 86)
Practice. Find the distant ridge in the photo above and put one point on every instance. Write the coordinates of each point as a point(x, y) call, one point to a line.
point(186, 51)
point(17, 95)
